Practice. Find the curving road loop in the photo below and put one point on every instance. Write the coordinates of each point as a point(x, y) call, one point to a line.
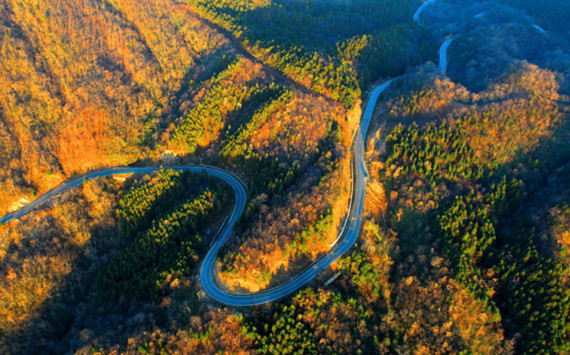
point(347, 236)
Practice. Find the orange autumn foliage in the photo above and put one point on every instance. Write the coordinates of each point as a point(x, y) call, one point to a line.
point(84, 142)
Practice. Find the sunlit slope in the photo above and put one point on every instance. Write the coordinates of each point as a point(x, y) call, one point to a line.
point(86, 84)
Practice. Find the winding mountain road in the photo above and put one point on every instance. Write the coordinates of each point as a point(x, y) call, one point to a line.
point(346, 239)
point(347, 236)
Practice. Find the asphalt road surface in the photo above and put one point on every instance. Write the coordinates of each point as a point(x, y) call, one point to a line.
point(540, 29)
point(443, 54)
point(230, 178)
point(421, 9)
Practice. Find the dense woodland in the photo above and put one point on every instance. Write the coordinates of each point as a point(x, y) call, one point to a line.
point(465, 239)
point(332, 48)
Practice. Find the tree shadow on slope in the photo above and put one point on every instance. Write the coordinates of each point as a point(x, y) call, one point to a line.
point(73, 317)
point(532, 293)
point(207, 68)
point(55, 261)
point(321, 42)
point(317, 25)
point(544, 172)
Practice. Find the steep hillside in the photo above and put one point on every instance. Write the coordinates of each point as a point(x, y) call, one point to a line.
point(333, 48)
point(88, 84)
point(92, 84)
point(468, 206)
point(469, 172)
point(465, 230)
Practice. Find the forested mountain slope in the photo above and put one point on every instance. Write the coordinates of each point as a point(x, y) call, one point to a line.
point(89, 84)
point(333, 48)
point(465, 239)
